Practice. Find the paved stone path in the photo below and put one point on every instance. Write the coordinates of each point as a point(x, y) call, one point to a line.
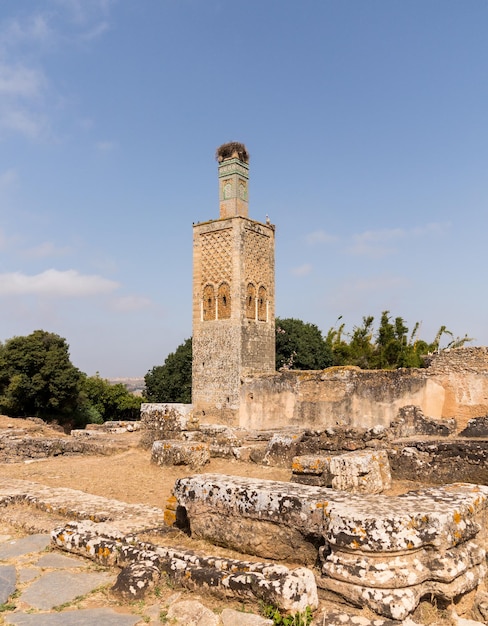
point(45, 584)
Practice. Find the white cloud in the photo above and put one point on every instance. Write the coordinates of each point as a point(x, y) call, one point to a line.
point(131, 303)
point(45, 250)
point(64, 284)
point(27, 123)
point(377, 283)
point(34, 29)
point(383, 242)
point(20, 81)
point(28, 98)
point(95, 31)
point(302, 270)
point(369, 294)
point(320, 236)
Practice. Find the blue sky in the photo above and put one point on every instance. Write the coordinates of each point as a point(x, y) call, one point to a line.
point(366, 122)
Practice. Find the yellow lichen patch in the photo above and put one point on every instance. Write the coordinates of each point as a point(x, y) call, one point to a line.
point(322, 505)
point(169, 517)
point(355, 545)
point(296, 466)
point(409, 545)
point(317, 464)
point(172, 503)
point(457, 517)
point(103, 553)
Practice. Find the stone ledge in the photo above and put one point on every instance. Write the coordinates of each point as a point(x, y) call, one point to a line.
point(168, 453)
point(144, 563)
point(438, 516)
point(78, 505)
point(15, 449)
point(383, 552)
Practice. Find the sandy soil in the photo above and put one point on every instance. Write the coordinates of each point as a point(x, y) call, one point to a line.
point(128, 476)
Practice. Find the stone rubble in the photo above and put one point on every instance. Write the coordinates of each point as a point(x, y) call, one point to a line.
point(381, 552)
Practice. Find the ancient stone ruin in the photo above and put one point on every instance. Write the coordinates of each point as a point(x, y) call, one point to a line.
point(386, 501)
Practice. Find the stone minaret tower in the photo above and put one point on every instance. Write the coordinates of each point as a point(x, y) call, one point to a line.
point(233, 296)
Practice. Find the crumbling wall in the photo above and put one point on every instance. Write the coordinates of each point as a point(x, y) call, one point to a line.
point(454, 384)
point(463, 374)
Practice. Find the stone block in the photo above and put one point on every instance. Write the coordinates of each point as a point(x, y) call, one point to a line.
point(364, 471)
point(164, 421)
point(281, 448)
point(168, 453)
point(379, 551)
point(192, 612)
point(231, 617)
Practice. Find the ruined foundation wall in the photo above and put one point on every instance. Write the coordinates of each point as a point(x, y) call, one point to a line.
point(463, 374)
point(455, 384)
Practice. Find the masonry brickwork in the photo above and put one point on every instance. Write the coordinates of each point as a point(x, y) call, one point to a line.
point(233, 298)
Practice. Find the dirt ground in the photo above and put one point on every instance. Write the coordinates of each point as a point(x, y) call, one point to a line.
point(128, 476)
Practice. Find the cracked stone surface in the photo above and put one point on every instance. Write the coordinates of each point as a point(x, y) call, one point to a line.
point(56, 588)
point(379, 551)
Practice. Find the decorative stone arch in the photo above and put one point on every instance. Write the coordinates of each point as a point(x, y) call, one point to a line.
point(262, 304)
point(223, 302)
point(251, 302)
point(208, 303)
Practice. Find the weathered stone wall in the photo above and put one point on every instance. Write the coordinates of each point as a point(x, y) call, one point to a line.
point(463, 374)
point(454, 385)
point(233, 335)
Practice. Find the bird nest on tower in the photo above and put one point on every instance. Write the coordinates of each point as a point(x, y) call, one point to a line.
point(232, 150)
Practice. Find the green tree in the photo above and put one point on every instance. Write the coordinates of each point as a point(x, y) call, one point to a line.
point(37, 378)
point(389, 348)
point(109, 402)
point(300, 345)
point(171, 382)
point(361, 347)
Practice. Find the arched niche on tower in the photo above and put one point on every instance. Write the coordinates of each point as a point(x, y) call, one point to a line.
point(208, 303)
point(262, 304)
point(223, 302)
point(251, 302)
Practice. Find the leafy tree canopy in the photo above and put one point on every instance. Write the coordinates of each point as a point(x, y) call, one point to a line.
point(171, 382)
point(300, 346)
point(37, 377)
point(108, 402)
point(390, 347)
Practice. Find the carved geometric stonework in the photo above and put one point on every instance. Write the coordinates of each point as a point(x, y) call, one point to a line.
point(216, 256)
